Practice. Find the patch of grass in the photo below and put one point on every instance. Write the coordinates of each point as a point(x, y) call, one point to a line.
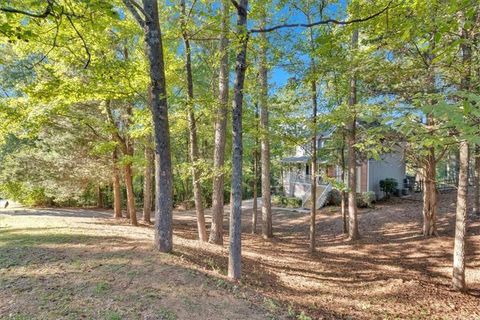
point(112, 315)
point(166, 314)
point(19, 317)
point(101, 288)
point(270, 304)
point(303, 316)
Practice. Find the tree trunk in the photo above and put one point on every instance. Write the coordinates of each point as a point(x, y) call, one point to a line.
point(313, 196)
point(430, 196)
point(458, 276)
point(267, 229)
point(100, 203)
point(129, 185)
point(147, 182)
point(117, 196)
point(476, 208)
point(216, 232)
point(343, 195)
point(163, 167)
point(234, 258)
point(255, 195)
point(255, 175)
point(192, 127)
point(352, 161)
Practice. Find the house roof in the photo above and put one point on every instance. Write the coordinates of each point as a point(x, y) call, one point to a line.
point(303, 159)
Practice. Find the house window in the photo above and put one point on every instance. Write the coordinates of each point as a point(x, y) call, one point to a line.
point(359, 179)
point(307, 169)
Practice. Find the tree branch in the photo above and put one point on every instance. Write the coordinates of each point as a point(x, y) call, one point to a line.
point(321, 22)
point(48, 11)
point(131, 6)
point(89, 56)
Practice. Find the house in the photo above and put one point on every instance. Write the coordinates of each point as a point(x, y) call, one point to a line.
point(297, 175)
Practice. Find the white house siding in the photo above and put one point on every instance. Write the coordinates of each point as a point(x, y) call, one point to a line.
point(391, 165)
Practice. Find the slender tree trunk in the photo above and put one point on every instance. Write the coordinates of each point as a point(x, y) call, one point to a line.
point(163, 167)
point(255, 195)
point(192, 126)
point(430, 196)
point(234, 258)
point(255, 175)
point(147, 183)
point(100, 203)
point(352, 161)
point(458, 275)
point(129, 185)
point(117, 196)
point(267, 229)
point(216, 232)
point(343, 196)
point(476, 201)
point(313, 196)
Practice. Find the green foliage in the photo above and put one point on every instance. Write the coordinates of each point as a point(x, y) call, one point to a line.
point(366, 199)
point(389, 185)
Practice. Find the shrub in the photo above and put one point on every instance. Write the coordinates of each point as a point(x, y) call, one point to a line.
point(366, 199)
point(292, 202)
point(334, 198)
point(389, 185)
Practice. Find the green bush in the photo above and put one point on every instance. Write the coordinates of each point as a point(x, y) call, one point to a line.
point(389, 185)
point(292, 202)
point(334, 197)
point(366, 199)
point(289, 202)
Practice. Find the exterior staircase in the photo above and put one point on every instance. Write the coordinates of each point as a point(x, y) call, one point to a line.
point(322, 195)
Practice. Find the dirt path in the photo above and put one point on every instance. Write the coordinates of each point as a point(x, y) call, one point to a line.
point(391, 273)
point(81, 264)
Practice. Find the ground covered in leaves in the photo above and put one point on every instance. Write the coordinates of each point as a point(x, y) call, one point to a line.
point(73, 264)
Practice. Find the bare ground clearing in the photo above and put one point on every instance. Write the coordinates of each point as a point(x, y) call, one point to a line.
point(69, 263)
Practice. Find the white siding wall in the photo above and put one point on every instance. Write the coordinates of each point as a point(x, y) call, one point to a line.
point(391, 165)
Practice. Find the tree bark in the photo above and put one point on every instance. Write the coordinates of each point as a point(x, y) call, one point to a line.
point(343, 195)
point(313, 196)
point(100, 203)
point(352, 161)
point(429, 210)
point(234, 258)
point(255, 175)
point(192, 127)
point(117, 196)
point(130, 195)
point(163, 167)
point(458, 274)
point(216, 231)
point(267, 229)
point(147, 182)
point(476, 201)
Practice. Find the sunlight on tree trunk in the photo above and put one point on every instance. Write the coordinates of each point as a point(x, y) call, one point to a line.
point(117, 196)
point(192, 127)
point(216, 232)
point(148, 179)
point(352, 159)
point(267, 228)
point(235, 253)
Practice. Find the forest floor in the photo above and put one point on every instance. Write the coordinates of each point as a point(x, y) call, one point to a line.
point(73, 263)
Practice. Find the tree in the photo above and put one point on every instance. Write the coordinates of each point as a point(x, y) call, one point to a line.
point(192, 126)
point(267, 229)
point(235, 252)
point(351, 153)
point(216, 232)
point(159, 107)
point(148, 174)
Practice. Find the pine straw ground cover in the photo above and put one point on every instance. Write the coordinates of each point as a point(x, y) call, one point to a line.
point(75, 264)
